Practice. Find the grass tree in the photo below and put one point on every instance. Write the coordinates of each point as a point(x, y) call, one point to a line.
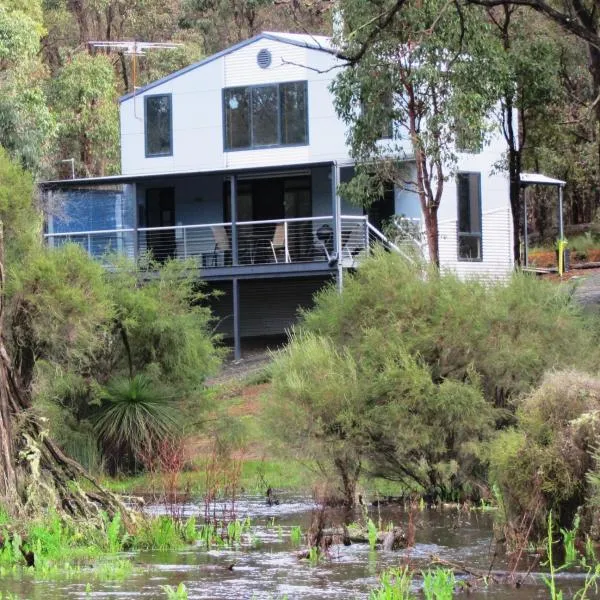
point(425, 69)
point(135, 415)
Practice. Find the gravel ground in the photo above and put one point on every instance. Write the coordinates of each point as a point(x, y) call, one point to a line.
point(587, 290)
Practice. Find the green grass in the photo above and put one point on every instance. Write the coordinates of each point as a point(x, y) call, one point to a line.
point(256, 476)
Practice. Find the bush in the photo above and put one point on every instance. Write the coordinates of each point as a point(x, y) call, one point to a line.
point(379, 409)
point(509, 332)
point(407, 372)
point(543, 464)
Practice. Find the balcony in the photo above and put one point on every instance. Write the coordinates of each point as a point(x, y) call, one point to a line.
point(220, 249)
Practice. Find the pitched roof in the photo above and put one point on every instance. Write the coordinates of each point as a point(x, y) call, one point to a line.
point(315, 42)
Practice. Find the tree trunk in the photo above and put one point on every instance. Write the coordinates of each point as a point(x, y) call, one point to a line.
point(35, 475)
point(431, 225)
point(516, 205)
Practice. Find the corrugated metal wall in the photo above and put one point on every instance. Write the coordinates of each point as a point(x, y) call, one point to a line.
point(267, 306)
point(496, 243)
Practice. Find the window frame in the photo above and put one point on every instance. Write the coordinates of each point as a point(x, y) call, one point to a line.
point(250, 89)
point(171, 138)
point(470, 234)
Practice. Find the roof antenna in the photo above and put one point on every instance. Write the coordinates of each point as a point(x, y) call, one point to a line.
point(134, 49)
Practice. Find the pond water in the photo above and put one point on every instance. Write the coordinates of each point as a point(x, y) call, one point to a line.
point(266, 565)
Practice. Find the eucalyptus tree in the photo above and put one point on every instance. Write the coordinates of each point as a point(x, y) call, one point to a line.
point(529, 60)
point(83, 95)
point(26, 125)
point(431, 72)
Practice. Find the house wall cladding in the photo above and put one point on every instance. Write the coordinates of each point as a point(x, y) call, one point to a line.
point(496, 243)
point(198, 113)
point(268, 307)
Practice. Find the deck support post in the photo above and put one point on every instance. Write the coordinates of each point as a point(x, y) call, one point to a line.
point(233, 211)
point(337, 224)
point(237, 345)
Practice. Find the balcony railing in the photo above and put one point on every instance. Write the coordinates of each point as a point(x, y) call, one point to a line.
point(213, 245)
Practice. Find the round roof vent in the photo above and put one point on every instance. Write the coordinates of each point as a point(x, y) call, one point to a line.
point(263, 58)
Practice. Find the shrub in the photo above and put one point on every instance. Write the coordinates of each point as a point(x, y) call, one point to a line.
point(543, 464)
point(509, 332)
point(379, 406)
point(135, 415)
point(407, 371)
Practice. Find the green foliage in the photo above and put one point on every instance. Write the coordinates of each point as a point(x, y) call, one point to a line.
point(501, 331)
point(569, 537)
point(547, 463)
point(439, 584)
point(135, 415)
point(166, 322)
point(372, 534)
point(178, 593)
point(105, 346)
point(83, 96)
point(394, 584)
point(26, 124)
point(164, 533)
point(296, 535)
point(406, 373)
point(21, 221)
point(62, 309)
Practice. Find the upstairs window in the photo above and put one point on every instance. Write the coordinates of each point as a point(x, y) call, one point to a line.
point(266, 115)
point(158, 125)
point(469, 216)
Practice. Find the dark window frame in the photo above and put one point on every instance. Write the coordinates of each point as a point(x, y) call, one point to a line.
point(158, 154)
point(469, 234)
point(249, 90)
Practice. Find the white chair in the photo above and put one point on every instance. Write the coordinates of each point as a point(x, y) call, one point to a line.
point(222, 243)
point(278, 243)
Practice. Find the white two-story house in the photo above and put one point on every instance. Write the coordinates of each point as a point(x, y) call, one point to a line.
point(235, 162)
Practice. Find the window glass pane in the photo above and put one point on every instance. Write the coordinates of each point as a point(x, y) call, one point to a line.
point(469, 205)
point(237, 118)
point(469, 216)
point(264, 116)
point(294, 128)
point(469, 246)
point(158, 125)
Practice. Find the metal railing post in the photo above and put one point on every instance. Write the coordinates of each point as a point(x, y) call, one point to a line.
point(89, 244)
point(285, 242)
point(185, 253)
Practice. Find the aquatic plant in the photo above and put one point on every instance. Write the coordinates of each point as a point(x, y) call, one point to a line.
point(314, 555)
point(372, 533)
point(296, 534)
point(164, 533)
point(592, 575)
point(569, 537)
point(394, 584)
point(116, 536)
point(178, 593)
point(439, 584)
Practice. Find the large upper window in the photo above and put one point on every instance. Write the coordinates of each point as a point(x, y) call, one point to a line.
point(266, 115)
point(158, 125)
point(469, 216)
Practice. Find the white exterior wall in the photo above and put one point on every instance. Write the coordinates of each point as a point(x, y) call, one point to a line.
point(198, 145)
point(496, 220)
point(198, 113)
